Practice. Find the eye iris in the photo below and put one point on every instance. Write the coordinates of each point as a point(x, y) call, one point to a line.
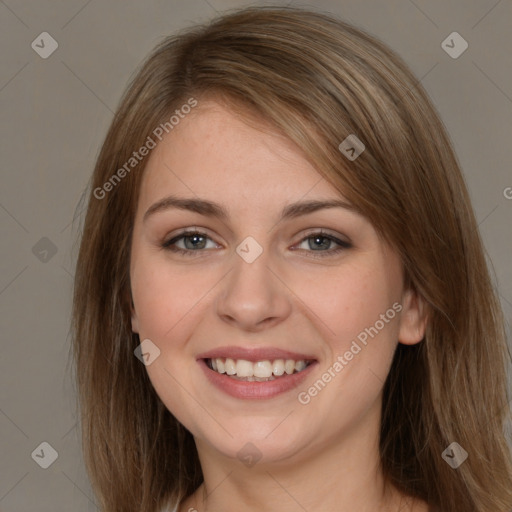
point(193, 239)
point(325, 245)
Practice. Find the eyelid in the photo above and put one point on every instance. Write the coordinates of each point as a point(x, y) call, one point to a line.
point(342, 245)
point(326, 232)
point(186, 232)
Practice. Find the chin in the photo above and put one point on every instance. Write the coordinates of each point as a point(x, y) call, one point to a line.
point(256, 440)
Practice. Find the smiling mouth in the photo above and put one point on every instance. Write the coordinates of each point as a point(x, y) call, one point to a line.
point(259, 371)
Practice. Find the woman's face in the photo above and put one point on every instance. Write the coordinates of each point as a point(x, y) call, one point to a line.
point(263, 293)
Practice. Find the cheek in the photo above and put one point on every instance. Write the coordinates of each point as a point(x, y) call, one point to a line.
point(166, 301)
point(351, 299)
point(361, 335)
point(154, 306)
point(166, 298)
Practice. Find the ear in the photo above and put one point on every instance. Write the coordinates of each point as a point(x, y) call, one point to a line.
point(413, 319)
point(135, 320)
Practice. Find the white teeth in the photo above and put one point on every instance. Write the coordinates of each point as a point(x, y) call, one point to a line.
point(289, 366)
point(230, 366)
point(300, 365)
point(244, 368)
point(258, 371)
point(263, 369)
point(278, 368)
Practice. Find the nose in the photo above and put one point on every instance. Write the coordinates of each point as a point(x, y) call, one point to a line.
point(254, 296)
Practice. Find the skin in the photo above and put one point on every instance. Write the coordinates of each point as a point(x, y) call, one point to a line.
point(319, 456)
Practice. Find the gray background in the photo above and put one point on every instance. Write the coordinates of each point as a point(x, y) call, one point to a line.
point(55, 113)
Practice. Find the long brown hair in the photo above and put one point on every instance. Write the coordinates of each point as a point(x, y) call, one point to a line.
point(316, 80)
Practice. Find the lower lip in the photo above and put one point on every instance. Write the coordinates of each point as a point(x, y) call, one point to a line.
point(255, 390)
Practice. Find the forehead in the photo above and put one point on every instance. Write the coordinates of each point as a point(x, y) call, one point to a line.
point(216, 150)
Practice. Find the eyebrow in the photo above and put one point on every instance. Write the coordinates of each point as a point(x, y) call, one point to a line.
point(212, 209)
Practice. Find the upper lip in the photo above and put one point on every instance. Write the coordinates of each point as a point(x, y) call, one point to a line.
point(254, 354)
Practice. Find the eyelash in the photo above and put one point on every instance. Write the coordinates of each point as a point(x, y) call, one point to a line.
point(343, 245)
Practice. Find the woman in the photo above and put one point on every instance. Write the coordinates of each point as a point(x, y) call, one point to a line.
point(281, 298)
